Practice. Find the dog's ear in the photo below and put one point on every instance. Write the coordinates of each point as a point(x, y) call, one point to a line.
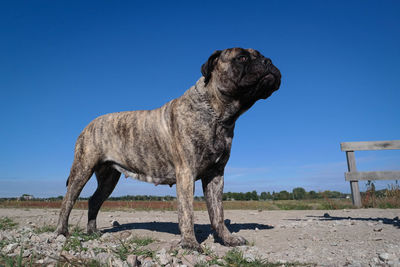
point(208, 67)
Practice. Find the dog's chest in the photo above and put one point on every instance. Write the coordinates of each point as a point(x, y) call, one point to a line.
point(216, 150)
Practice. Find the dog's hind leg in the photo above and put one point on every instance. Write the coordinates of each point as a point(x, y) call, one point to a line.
point(107, 179)
point(78, 177)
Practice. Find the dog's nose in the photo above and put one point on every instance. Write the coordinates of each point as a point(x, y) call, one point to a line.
point(267, 61)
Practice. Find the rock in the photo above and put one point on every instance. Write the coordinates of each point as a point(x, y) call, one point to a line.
point(393, 263)
point(61, 238)
point(189, 260)
point(132, 260)
point(45, 237)
point(326, 215)
point(120, 263)
point(249, 256)
point(35, 239)
point(385, 256)
point(115, 223)
point(163, 257)
point(103, 257)
point(378, 229)
point(355, 264)
point(105, 236)
point(147, 262)
point(9, 248)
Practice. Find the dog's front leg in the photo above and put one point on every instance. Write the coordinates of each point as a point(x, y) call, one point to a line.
point(184, 190)
point(213, 189)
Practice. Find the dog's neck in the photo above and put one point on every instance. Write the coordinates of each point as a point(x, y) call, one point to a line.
point(224, 109)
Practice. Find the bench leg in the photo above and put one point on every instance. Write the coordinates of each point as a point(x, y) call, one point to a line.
point(355, 194)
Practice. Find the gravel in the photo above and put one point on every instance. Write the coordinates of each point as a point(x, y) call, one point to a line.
point(363, 237)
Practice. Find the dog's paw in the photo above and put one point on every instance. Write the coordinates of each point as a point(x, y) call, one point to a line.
point(92, 228)
point(191, 244)
point(61, 231)
point(234, 240)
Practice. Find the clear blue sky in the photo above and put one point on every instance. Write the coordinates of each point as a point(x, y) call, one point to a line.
point(64, 63)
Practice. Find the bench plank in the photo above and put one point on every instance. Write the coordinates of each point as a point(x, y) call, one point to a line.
point(370, 145)
point(365, 176)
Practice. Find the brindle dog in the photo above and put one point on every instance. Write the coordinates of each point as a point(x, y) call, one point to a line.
point(187, 139)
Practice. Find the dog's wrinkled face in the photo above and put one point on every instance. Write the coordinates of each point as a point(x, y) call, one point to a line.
point(242, 74)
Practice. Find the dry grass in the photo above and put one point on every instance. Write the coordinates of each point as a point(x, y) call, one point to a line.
point(390, 198)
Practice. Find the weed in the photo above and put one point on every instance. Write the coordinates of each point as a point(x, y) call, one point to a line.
point(134, 246)
point(234, 258)
point(7, 223)
point(141, 241)
point(45, 229)
point(74, 241)
point(12, 261)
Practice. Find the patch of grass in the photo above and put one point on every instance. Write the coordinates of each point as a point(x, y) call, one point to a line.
point(12, 261)
point(234, 258)
point(134, 246)
point(141, 241)
point(7, 223)
point(293, 206)
point(44, 229)
point(77, 237)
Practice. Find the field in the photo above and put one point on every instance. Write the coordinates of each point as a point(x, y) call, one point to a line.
point(198, 205)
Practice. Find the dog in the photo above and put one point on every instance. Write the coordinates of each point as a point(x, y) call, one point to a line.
point(187, 139)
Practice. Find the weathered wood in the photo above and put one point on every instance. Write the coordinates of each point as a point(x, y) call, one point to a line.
point(355, 189)
point(355, 194)
point(370, 145)
point(365, 176)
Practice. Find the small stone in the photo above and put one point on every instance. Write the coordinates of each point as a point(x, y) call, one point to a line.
point(378, 229)
point(148, 262)
point(119, 263)
point(61, 238)
point(249, 256)
point(9, 248)
point(163, 257)
point(132, 260)
point(103, 257)
point(35, 239)
point(384, 256)
point(105, 236)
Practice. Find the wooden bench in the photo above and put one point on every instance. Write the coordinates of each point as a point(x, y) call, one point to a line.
point(353, 176)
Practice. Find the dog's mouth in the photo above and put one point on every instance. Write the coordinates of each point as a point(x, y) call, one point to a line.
point(270, 82)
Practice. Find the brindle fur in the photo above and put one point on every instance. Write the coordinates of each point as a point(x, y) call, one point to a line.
point(187, 139)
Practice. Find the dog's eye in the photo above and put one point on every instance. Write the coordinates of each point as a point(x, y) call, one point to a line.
point(242, 58)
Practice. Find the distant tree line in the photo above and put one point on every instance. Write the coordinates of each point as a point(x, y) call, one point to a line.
point(297, 193)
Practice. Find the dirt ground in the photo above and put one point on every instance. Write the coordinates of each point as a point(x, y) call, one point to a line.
point(358, 237)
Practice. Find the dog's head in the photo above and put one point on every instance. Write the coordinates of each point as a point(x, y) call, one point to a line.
point(241, 74)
